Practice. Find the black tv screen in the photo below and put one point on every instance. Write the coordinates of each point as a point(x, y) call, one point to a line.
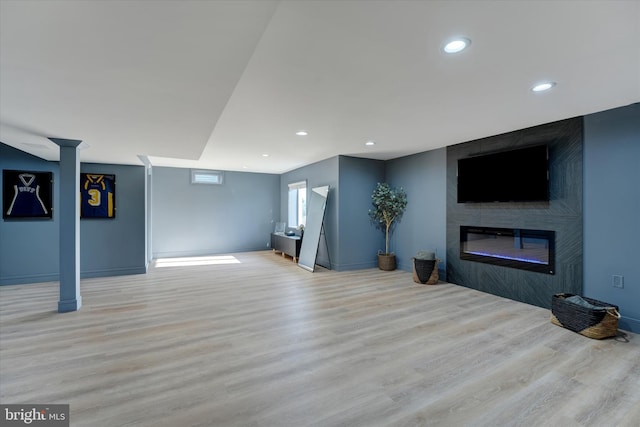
point(520, 175)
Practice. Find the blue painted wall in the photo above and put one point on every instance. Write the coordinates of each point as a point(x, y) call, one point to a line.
point(196, 219)
point(359, 241)
point(424, 224)
point(111, 247)
point(612, 209)
point(351, 241)
point(29, 250)
point(317, 174)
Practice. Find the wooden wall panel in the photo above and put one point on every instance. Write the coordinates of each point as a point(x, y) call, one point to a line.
point(562, 214)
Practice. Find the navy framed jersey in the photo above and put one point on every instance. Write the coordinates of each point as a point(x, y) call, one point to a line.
point(27, 194)
point(97, 195)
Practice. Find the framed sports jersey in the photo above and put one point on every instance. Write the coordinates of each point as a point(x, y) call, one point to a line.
point(97, 195)
point(27, 194)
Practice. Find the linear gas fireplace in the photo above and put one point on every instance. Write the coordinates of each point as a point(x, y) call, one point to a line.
point(532, 250)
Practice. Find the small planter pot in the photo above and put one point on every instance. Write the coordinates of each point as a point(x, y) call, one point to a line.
point(387, 262)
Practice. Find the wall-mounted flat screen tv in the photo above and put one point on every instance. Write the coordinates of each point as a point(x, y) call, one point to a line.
point(520, 175)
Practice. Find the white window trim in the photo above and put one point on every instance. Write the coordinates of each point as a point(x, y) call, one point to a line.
point(298, 185)
point(207, 177)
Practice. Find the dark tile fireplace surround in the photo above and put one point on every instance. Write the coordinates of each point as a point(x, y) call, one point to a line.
point(511, 234)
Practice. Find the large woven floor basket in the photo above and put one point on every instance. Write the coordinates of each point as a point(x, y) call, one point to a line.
point(598, 322)
point(425, 271)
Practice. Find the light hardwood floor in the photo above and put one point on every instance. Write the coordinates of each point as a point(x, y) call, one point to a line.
point(266, 343)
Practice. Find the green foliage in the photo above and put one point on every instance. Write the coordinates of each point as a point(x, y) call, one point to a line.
point(388, 206)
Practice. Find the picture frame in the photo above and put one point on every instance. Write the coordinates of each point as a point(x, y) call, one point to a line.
point(27, 194)
point(97, 195)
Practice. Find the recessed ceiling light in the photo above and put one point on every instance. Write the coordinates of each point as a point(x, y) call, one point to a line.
point(302, 133)
point(541, 87)
point(265, 155)
point(456, 45)
point(369, 143)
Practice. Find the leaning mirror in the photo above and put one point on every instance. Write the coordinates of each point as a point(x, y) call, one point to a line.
point(315, 217)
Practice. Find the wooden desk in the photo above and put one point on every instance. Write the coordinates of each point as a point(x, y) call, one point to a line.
point(288, 245)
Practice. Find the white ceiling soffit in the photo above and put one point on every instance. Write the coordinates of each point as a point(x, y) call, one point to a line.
point(215, 85)
point(127, 77)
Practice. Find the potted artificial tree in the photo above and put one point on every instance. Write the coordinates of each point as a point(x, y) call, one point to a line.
point(388, 206)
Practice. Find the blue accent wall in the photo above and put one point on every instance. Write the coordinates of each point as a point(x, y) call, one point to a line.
point(324, 172)
point(424, 223)
point(359, 241)
point(351, 241)
point(112, 247)
point(199, 219)
point(29, 249)
point(612, 210)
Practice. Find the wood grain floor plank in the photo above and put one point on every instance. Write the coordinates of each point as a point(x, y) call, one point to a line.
point(264, 342)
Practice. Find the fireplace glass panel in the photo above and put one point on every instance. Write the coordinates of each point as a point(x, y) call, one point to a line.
point(517, 248)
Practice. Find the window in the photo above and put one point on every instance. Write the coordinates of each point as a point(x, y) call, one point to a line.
point(207, 177)
point(297, 204)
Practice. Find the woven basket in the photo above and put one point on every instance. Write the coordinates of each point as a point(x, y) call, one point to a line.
point(387, 262)
point(598, 323)
point(425, 271)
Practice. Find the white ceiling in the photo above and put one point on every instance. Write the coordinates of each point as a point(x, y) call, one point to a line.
point(217, 84)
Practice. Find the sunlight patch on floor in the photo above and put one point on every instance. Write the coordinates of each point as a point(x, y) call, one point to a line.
point(193, 261)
